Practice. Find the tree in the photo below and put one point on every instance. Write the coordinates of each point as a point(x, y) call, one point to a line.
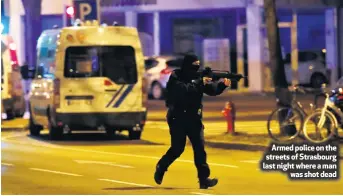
point(338, 5)
point(32, 28)
point(282, 93)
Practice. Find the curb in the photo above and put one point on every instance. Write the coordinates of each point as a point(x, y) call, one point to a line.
point(246, 146)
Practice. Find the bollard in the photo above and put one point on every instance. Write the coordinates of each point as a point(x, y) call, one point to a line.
point(229, 113)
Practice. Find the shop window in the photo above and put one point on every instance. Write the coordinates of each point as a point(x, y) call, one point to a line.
point(185, 31)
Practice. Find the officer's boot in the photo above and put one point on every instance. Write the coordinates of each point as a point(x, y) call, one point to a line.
point(159, 173)
point(208, 182)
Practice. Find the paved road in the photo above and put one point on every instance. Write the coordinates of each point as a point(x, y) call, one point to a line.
point(93, 164)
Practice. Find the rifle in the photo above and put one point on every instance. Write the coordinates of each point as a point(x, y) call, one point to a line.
point(217, 74)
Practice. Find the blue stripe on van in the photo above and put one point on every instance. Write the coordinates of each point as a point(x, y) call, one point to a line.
point(115, 96)
point(123, 96)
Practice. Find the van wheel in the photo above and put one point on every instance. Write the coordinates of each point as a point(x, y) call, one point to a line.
point(317, 80)
point(110, 132)
point(10, 114)
point(55, 132)
point(34, 129)
point(135, 135)
point(19, 113)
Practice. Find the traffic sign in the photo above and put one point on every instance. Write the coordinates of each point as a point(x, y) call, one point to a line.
point(87, 9)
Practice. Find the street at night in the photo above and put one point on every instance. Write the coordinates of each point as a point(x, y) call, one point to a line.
point(92, 163)
point(171, 97)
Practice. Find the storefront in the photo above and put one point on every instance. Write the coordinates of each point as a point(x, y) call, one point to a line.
point(179, 26)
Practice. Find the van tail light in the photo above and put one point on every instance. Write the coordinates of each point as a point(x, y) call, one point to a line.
point(144, 92)
point(13, 56)
point(166, 71)
point(57, 87)
point(107, 83)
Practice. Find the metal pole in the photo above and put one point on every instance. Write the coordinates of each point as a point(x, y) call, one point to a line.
point(64, 15)
point(240, 55)
point(156, 22)
point(294, 54)
point(98, 5)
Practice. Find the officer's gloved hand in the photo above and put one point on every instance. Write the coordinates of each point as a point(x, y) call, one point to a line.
point(206, 80)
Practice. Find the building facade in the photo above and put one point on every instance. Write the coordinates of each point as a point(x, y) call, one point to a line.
point(179, 26)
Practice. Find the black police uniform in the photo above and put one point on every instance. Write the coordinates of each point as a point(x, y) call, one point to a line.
point(184, 117)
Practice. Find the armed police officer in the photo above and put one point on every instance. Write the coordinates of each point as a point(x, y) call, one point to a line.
point(185, 90)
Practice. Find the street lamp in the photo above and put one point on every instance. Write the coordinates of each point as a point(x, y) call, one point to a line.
point(68, 15)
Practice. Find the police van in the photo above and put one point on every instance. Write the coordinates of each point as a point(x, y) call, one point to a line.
point(89, 77)
point(12, 95)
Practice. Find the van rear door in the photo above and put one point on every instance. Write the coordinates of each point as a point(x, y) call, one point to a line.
point(99, 79)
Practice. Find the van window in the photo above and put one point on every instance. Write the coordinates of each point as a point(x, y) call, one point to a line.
point(115, 62)
point(307, 56)
point(150, 63)
point(175, 63)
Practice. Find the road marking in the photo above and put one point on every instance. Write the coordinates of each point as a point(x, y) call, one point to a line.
point(142, 156)
point(197, 193)
point(12, 136)
point(118, 154)
point(216, 164)
point(250, 161)
point(7, 164)
point(128, 183)
point(103, 163)
point(55, 172)
point(36, 143)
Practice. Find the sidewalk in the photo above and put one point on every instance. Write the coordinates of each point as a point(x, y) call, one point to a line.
point(16, 124)
point(161, 115)
point(250, 135)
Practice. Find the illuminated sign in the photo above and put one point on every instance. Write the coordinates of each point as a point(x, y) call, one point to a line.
point(86, 9)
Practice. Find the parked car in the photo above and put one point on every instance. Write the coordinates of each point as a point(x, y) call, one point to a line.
point(312, 68)
point(158, 70)
point(12, 95)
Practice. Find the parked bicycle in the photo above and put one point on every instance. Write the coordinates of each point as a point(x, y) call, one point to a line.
point(286, 123)
point(323, 124)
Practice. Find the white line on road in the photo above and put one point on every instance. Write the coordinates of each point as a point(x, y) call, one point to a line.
point(12, 136)
point(197, 193)
point(103, 163)
point(128, 183)
point(216, 164)
point(115, 153)
point(141, 156)
point(7, 164)
point(55, 172)
point(250, 161)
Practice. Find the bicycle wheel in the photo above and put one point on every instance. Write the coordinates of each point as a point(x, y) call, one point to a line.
point(316, 133)
point(284, 124)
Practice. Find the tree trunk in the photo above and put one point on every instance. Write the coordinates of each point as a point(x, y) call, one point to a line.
point(33, 28)
point(284, 97)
